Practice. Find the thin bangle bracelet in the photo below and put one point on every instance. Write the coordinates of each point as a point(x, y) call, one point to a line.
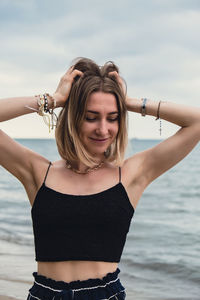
point(158, 117)
point(158, 111)
point(143, 109)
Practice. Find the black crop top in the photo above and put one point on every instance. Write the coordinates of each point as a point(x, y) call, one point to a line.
point(81, 227)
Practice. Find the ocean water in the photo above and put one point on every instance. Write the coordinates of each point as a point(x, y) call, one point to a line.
point(161, 258)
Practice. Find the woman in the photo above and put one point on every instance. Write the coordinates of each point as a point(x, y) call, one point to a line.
point(82, 204)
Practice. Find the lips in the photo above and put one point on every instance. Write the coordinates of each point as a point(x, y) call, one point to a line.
point(99, 140)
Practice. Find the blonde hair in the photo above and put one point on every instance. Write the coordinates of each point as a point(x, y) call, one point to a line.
point(71, 117)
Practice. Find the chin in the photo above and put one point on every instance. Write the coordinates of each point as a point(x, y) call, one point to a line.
point(99, 152)
point(98, 149)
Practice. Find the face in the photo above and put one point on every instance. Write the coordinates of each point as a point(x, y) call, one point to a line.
point(100, 126)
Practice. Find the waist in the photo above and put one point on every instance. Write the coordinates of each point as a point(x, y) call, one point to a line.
point(109, 287)
point(75, 270)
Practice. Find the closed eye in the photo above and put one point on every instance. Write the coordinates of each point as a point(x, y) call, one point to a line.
point(94, 119)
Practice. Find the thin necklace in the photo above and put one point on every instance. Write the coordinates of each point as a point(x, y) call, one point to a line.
point(87, 171)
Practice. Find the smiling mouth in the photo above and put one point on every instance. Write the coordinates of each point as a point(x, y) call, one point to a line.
point(99, 140)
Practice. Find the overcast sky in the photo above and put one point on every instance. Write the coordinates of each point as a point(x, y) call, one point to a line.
point(155, 43)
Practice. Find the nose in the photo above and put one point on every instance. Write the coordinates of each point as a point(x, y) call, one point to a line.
point(102, 128)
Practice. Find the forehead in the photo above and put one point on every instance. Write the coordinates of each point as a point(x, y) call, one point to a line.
point(101, 101)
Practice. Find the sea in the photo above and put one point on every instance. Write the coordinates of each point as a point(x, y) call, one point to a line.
point(161, 258)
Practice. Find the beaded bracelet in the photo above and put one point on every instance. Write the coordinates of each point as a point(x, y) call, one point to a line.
point(43, 110)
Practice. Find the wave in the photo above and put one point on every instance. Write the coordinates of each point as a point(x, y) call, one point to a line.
point(19, 240)
point(178, 270)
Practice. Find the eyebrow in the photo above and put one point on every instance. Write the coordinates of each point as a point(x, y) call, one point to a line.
point(96, 112)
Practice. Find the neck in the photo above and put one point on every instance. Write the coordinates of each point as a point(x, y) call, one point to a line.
point(81, 168)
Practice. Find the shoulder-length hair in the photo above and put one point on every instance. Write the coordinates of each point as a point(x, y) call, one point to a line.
point(71, 117)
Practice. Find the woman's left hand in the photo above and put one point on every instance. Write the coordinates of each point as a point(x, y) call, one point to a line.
point(122, 85)
point(119, 80)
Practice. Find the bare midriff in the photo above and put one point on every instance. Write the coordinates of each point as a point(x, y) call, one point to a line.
point(75, 270)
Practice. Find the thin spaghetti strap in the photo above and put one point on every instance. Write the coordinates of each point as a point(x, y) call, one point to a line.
point(47, 172)
point(119, 174)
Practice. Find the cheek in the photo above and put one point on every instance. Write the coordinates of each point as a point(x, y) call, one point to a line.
point(114, 131)
point(86, 128)
point(116, 128)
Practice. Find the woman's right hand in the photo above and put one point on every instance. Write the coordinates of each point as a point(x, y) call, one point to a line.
point(62, 92)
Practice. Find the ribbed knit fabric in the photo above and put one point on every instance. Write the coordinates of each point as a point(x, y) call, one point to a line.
point(86, 227)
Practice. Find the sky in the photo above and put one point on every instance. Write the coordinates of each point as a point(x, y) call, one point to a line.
point(155, 44)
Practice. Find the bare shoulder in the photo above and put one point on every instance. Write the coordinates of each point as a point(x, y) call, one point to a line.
point(132, 169)
point(39, 166)
point(144, 167)
point(26, 165)
point(19, 160)
point(133, 177)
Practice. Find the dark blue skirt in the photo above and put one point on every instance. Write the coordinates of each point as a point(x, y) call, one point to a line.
point(109, 287)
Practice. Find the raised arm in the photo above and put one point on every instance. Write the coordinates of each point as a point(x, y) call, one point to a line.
point(11, 108)
point(17, 159)
point(157, 160)
point(14, 157)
